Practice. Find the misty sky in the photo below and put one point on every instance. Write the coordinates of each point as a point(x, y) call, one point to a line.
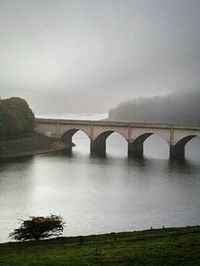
point(89, 55)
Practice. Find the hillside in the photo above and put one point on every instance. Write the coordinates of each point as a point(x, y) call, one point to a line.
point(173, 109)
point(17, 136)
point(16, 118)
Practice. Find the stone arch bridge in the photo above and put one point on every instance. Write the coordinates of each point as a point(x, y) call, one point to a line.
point(134, 133)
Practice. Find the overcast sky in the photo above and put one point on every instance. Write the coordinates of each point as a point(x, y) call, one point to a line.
point(89, 55)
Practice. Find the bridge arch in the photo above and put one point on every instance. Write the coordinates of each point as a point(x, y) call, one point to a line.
point(178, 149)
point(98, 145)
point(68, 135)
point(136, 147)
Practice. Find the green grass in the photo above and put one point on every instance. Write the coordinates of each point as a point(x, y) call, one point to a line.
point(169, 246)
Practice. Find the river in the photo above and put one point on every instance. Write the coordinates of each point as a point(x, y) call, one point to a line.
point(99, 195)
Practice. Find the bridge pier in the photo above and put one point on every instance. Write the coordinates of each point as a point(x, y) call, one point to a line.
point(177, 151)
point(135, 150)
point(68, 144)
point(98, 148)
point(69, 148)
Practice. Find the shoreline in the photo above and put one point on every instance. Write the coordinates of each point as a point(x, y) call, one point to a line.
point(32, 153)
point(30, 146)
point(153, 247)
point(185, 229)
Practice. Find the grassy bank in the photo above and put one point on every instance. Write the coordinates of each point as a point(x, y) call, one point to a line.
point(169, 246)
point(30, 145)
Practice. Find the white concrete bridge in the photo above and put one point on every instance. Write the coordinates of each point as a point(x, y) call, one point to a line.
point(134, 133)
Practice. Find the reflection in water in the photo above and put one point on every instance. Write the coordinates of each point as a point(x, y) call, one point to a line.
point(103, 194)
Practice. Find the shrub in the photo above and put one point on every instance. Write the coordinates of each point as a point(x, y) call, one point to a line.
point(39, 227)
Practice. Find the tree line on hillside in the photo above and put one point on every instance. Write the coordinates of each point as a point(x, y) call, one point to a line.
point(183, 109)
point(16, 118)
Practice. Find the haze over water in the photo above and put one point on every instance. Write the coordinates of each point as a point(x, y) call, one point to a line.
point(98, 195)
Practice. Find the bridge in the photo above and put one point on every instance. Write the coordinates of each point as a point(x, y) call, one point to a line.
point(134, 133)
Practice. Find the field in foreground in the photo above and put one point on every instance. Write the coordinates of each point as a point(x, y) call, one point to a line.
point(169, 246)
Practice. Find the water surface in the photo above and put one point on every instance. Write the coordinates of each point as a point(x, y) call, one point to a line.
point(98, 195)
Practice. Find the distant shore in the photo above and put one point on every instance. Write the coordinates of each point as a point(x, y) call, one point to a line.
point(30, 145)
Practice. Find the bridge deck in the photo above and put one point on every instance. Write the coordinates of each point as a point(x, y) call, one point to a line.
point(114, 123)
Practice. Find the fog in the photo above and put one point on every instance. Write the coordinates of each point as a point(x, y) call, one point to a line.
point(90, 55)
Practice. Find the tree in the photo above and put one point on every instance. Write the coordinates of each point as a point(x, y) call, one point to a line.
point(38, 227)
point(16, 118)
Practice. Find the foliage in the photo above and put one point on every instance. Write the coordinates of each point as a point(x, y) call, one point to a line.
point(16, 118)
point(38, 227)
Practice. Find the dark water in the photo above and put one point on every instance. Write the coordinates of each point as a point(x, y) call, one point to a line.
point(97, 195)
